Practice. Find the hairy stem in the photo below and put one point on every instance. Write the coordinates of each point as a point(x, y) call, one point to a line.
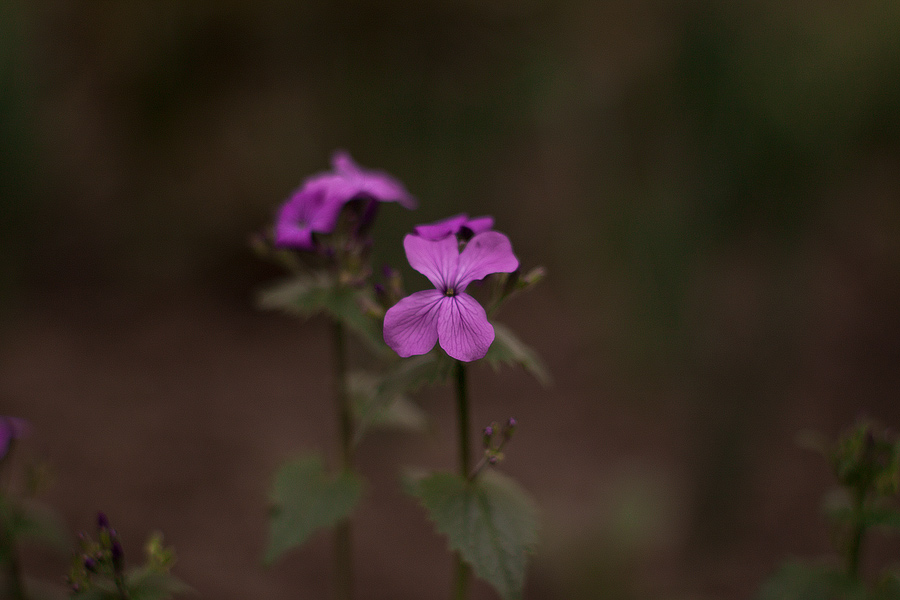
point(463, 573)
point(343, 546)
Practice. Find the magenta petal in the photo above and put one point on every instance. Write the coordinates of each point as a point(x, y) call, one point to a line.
point(410, 326)
point(441, 229)
point(305, 212)
point(463, 328)
point(378, 185)
point(480, 224)
point(343, 163)
point(486, 253)
point(292, 236)
point(436, 260)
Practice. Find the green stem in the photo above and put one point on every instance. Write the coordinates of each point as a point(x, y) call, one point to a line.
point(342, 397)
point(343, 539)
point(120, 586)
point(13, 577)
point(463, 573)
point(461, 579)
point(462, 411)
point(857, 534)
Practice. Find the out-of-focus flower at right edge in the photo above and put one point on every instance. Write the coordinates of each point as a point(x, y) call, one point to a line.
point(316, 205)
point(11, 428)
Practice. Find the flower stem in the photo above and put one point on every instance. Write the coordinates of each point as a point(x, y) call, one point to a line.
point(857, 534)
point(120, 586)
point(15, 590)
point(463, 573)
point(343, 546)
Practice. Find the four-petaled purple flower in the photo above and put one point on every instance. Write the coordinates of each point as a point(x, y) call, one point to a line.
point(447, 314)
point(316, 205)
point(11, 428)
point(460, 225)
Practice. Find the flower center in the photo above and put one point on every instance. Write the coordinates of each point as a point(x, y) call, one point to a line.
point(450, 292)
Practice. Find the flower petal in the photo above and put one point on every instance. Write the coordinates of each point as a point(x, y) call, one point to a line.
point(441, 229)
point(306, 211)
point(486, 253)
point(355, 181)
point(293, 236)
point(463, 328)
point(436, 260)
point(480, 224)
point(410, 326)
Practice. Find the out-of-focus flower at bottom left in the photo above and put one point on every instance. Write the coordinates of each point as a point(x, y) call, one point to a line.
point(11, 428)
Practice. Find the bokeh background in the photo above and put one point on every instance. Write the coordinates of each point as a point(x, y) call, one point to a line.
point(714, 189)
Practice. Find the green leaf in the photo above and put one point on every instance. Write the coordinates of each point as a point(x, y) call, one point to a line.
point(810, 581)
point(303, 295)
point(491, 522)
point(409, 374)
point(379, 410)
point(307, 295)
point(838, 508)
point(886, 518)
point(32, 520)
point(510, 350)
point(152, 584)
point(304, 500)
point(888, 587)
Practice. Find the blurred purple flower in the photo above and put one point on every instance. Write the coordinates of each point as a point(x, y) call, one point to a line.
point(459, 224)
point(11, 428)
point(447, 314)
point(316, 205)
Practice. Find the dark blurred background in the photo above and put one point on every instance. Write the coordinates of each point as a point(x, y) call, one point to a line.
point(713, 187)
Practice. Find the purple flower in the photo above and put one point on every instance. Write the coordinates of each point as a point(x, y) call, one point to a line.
point(11, 428)
point(447, 314)
point(458, 225)
point(316, 205)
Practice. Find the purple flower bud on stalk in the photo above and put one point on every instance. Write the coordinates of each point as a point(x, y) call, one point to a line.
point(488, 434)
point(509, 428)
point(90, 564)
point(102, 521)
point(118, 554)
point(389, 272)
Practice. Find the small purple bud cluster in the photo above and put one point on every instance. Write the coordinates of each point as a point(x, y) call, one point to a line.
point(391, 291)
point(104, 558)
point(494, 438)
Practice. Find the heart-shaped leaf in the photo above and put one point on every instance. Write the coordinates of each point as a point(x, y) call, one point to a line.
point(304, 500)
point(491, 522)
